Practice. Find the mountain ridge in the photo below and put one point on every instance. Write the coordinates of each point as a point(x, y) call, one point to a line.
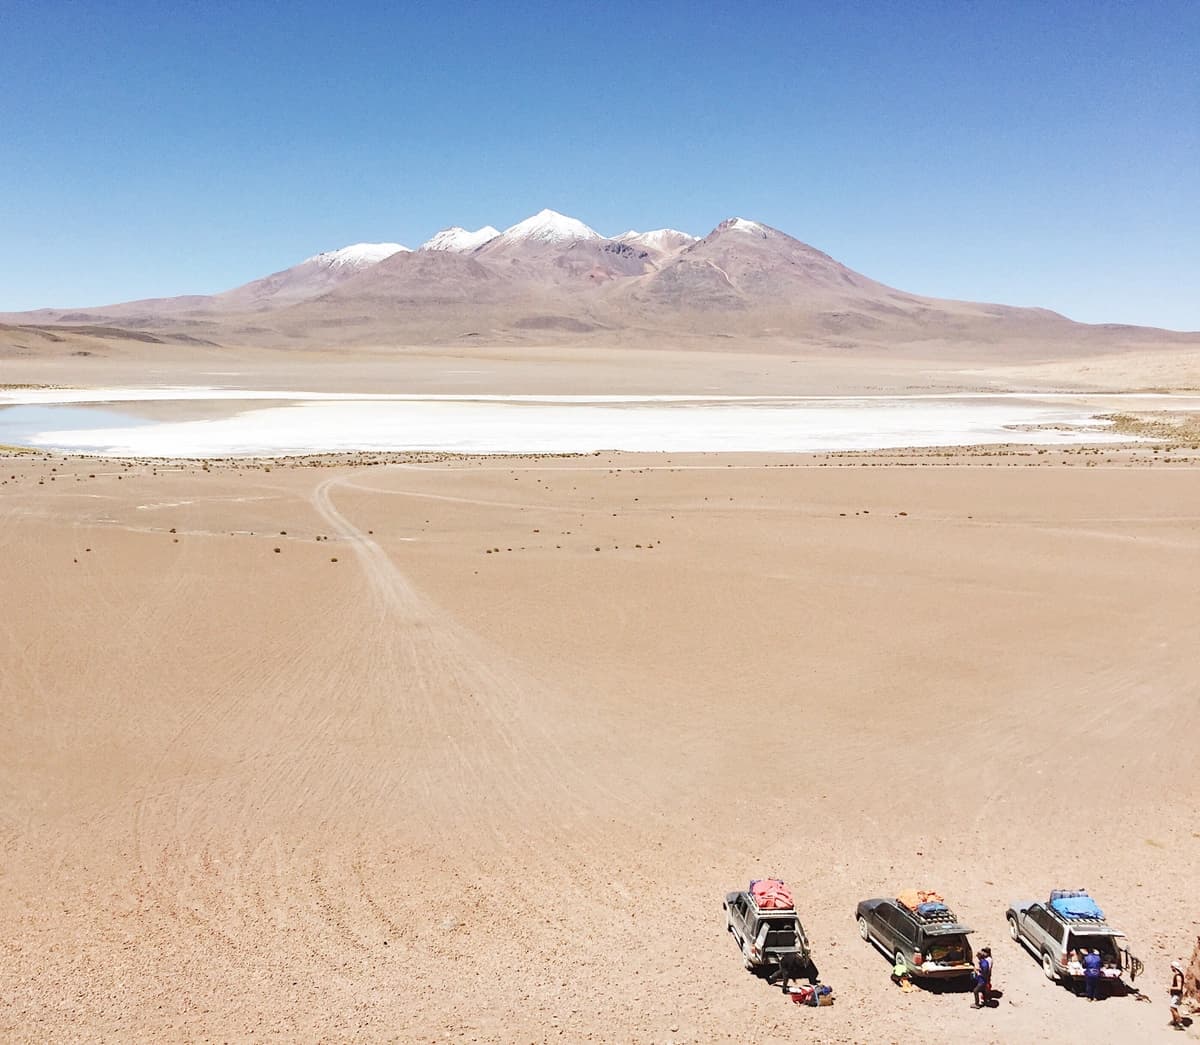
point(552, 276)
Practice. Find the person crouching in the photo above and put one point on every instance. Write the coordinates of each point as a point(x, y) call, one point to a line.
point(793, 966)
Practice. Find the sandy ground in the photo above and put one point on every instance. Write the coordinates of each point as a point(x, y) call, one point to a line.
point(742, 369)
point(471, 750)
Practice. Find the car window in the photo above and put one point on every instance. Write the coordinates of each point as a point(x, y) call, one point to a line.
point(903, 921)
point(1048, 922)
point(897, 919)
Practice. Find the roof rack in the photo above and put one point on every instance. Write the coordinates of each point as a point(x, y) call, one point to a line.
point(1076, 919)
point(943, 917)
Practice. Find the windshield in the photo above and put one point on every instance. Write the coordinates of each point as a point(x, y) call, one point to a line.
point(951, 949)
point(1106, 945)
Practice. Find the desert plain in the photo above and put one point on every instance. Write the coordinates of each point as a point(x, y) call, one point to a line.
point(416, 747)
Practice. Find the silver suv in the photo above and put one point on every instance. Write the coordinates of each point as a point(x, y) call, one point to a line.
point(765, 935)
point(1060, 940)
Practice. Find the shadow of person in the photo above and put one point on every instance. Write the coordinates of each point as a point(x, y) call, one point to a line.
point(957, 985)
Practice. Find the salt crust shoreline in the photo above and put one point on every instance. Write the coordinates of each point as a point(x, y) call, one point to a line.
point(298, 423)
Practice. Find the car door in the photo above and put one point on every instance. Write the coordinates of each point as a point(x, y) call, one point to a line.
point(1033, 925)
point(760, 940)
point(885, 926)
point(1055, 934)
point(905, 932)
point(738, 911)
point(801, 938)
point(748, 923)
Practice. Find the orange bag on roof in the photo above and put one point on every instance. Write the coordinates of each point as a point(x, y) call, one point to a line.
point(913, 898)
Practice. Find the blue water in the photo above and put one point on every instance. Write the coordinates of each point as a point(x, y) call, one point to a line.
point(18, 424)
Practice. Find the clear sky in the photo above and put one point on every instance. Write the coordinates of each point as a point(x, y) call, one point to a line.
point(1032, 153)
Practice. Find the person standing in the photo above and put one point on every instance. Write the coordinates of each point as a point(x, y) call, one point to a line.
point(982, 981)
point(1176, 992)
point(1092, 964)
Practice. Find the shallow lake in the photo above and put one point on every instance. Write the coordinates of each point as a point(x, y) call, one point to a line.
point(214, 422)
point(20, 425)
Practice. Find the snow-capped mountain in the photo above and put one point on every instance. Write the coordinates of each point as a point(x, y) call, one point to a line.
point(356, 256)
point(549, 227)
point(745, 225)
point(552, 249)
point(659, 241)
point(313, 276)
point(551, 276)
point(457, 239)
point(749, 267)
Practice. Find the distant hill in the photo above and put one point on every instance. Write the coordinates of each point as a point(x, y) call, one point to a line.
point(553, 279)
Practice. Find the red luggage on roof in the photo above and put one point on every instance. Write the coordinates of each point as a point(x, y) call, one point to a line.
point(771, 893)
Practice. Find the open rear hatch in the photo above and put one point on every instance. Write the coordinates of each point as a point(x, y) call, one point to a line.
point(777, 936)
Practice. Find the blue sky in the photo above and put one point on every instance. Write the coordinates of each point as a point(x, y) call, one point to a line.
point(1028, 153)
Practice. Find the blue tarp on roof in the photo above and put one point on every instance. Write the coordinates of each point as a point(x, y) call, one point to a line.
point(1077, 907)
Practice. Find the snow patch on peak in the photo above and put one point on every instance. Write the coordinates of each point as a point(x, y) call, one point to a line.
point(548, 226)
point(357, 255)
point(659, 239)
point(744, 225)
point(459, 240)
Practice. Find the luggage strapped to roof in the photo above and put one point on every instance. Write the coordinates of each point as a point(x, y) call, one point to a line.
point(1075, 905)
point(926, 905)
point(771, 894)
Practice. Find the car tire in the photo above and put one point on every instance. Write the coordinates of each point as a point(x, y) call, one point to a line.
point(864, 930)
point(1013, 930)
point(1048, 969)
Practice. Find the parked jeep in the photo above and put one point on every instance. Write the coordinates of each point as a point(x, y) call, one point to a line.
point(927, 939)
point(765, 935)
point(1064, 928)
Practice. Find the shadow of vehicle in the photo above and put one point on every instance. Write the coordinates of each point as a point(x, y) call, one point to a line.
point(951, 985)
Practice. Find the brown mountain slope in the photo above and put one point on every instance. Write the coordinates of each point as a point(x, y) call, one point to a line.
point(551, 279)
point(311, 278)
